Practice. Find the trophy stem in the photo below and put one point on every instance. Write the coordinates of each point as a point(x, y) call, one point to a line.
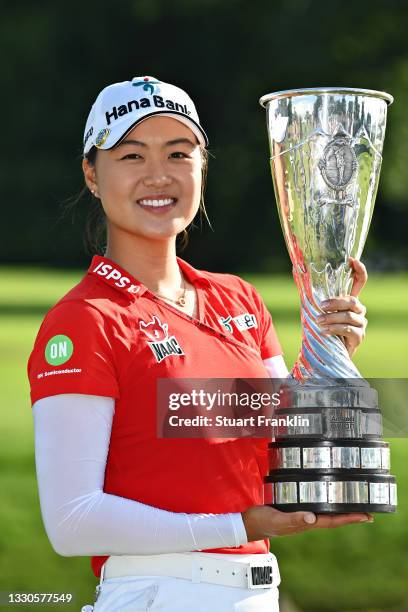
point(320, 356)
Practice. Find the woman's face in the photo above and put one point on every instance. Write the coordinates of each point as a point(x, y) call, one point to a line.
point(150, 184)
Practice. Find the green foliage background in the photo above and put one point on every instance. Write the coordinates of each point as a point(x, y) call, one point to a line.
point(57, 56)
point(226, 53)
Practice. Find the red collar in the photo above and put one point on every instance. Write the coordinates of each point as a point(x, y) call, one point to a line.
point(117, 277)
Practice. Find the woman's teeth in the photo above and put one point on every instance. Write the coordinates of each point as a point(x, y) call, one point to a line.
point(156, 203)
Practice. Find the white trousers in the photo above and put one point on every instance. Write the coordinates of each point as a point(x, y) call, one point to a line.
point(135, 593)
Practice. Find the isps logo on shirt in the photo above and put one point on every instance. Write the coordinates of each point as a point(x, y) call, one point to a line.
point(161, 345)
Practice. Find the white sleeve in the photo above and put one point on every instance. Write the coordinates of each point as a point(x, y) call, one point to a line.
point(276, 367)
point(72, 435)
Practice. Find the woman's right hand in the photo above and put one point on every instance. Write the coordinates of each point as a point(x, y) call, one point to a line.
point(264, 521)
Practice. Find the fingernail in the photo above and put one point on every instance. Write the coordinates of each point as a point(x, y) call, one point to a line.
point(309, 518)
point(324, 328)
point(325, 303)
point(321, 318)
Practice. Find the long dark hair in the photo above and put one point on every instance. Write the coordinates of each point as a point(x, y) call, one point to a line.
point(95, 225)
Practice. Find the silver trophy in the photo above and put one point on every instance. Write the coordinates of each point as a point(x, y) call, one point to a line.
point(326, 147)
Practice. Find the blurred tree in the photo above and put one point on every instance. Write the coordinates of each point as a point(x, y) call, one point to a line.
point(226, 53)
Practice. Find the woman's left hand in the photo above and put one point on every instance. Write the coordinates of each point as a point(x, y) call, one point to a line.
point(345, 316)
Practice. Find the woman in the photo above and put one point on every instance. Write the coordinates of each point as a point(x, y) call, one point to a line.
point(174, 524)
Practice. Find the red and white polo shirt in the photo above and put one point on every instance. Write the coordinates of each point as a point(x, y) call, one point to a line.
point(111, 336)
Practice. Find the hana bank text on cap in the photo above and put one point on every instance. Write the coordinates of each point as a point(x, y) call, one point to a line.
point(121, 106)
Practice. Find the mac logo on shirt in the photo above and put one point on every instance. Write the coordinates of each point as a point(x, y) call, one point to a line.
point(161, 345)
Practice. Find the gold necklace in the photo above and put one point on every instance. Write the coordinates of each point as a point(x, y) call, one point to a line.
point(181, 300)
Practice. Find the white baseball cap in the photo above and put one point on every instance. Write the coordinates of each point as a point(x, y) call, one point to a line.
point(121, 106)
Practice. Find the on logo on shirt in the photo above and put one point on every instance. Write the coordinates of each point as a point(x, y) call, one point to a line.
point(59, 349)
point(161, 345)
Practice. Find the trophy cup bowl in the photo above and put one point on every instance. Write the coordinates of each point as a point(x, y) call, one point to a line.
point(326, 153)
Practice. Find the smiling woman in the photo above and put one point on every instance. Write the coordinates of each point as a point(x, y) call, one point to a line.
point(172, 524)
point(150, 183)
point(133, 150)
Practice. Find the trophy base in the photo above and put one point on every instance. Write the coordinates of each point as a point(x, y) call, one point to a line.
point(329, 457)
point(332, 493)
point(326, 508)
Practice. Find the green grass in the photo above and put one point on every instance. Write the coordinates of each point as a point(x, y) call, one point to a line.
point(362, 567)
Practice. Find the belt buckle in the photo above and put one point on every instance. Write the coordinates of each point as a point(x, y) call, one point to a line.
point(260, 576)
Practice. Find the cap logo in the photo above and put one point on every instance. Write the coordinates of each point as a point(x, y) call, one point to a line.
point(146, 85)
point(102, 137)
point(155, 101)
point(118, 108)
point(88, 135)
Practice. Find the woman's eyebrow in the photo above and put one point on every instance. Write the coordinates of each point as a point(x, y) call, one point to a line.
point(167, 144)
point(179, 141)
point(133, 142)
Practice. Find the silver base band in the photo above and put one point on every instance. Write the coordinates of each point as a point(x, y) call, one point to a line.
point(329, 457)
point(330, 490)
